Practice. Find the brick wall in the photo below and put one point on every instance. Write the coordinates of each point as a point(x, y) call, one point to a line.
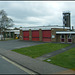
point(56, 37)
point(40, 34)
point(30, 35)
point(21, 35)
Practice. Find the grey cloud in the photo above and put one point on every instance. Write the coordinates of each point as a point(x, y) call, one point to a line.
point(22, 10)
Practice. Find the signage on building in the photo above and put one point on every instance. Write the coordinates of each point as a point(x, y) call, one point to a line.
point(53, 36)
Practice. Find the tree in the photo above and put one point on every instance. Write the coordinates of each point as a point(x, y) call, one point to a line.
point(16, 28)
point(5, 22)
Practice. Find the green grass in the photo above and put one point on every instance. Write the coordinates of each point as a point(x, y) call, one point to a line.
point(9, 39)
point(38, 50)
point(66, 59)
point(6, 39)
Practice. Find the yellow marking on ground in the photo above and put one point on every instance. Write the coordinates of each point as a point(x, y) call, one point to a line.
point(21, 67)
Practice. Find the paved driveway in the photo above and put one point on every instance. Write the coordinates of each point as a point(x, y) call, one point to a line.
point(13, 44)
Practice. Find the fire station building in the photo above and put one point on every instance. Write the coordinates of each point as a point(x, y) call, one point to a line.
point(48, 34)
point(63, 34)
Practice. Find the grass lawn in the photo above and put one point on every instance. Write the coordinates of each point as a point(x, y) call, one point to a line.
point(9, 39)
point(66, 59)
point(6, 39)
point(38, 50)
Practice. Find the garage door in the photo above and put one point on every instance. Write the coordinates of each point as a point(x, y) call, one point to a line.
point(25, 35)
point(35, 35)
point(46, 35)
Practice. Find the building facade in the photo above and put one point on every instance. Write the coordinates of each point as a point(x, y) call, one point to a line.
point(48, 34)
point(11, 33)
point(66, 36)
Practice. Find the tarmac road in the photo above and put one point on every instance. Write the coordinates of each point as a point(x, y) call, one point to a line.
point(13, 44)
point(8, 68)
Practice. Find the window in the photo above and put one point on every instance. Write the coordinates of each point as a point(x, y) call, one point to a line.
point(62, 36)
point(69, 36)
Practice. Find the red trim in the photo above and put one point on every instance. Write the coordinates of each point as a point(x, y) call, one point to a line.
point(62, 40)
point(69, 40)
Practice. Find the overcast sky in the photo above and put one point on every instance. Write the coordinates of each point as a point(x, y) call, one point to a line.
point(38, 13)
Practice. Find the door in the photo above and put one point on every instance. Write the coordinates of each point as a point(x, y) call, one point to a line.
point(69, 36)
point(25, 35)
point(46, 35)
point(62, 38)
point(35, 35)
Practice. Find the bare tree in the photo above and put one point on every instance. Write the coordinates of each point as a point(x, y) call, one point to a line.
point(5, 22)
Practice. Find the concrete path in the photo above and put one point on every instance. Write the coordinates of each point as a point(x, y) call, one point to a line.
point(67, 72)
point(37, 66)
point(49, 55)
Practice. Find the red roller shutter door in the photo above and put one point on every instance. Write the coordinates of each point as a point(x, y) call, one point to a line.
point(35, 35)
point(25, 35)
point(46, 35)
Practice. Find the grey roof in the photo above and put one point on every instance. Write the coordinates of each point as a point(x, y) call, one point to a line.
point(15, 31)
point(65, 32)
point(42, 27)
